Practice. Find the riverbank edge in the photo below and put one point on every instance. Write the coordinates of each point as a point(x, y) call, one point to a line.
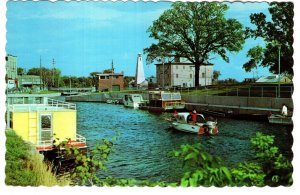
point(25, 166)
point(231, 105)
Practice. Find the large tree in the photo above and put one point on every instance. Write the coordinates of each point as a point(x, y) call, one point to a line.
point(195, 30)
point(50, 77)
point(278, 34)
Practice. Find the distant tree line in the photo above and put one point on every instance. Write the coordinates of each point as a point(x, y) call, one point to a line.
point(52, 78)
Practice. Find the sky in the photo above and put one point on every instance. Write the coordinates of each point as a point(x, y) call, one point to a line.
point(85, 37)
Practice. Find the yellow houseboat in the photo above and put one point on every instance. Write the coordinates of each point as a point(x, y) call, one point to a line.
point(44, 122)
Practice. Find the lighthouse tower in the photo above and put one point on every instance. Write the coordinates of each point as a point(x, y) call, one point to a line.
point(139, 76)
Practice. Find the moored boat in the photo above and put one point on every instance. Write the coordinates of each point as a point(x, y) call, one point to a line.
point(182, 122)
point(132, 100)
point(162, 101)
point(279, 119)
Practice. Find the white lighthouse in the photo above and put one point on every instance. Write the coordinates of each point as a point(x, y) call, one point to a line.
point(140, 75)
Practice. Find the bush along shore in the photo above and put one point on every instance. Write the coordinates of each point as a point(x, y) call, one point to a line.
point(25, 167)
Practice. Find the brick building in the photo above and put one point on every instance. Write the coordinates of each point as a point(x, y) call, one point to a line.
point(111, 81)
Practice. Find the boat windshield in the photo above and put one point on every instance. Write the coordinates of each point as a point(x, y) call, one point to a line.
point(200, 119)
point(170, 96)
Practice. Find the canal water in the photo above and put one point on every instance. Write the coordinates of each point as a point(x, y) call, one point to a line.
point(145, 140)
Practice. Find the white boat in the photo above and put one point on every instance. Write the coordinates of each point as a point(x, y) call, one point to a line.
point(132, 100)
point(279, 119)
point(201, 126)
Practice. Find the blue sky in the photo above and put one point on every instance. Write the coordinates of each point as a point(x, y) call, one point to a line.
point(84, 37)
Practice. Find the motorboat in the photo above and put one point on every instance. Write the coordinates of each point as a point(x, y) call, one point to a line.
point(280, 119)
point(132, 100)
point(182, 122)
point(162, 101)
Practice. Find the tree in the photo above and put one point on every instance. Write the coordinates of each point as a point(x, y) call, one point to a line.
point(48, 76)
point(216, 75)
point(21, 71)
point(195, 30)
point(276, 33)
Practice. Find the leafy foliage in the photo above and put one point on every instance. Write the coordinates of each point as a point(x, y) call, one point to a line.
point(274, 169)
point(194, 30)
point(87, 166)
point(278, 169)
point(279, 31)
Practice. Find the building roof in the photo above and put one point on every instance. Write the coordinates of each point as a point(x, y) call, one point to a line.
point(272, 79)
point(184, 63)
point(109, 74)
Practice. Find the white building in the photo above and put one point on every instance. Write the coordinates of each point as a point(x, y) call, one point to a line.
point(274, 79)
point(182, 73)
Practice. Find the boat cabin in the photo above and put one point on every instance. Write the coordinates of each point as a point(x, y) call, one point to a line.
point(132, 100)
point(185, 117)
point(44, 122)
point(166, 100)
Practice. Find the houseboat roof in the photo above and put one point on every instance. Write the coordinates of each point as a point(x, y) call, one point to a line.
point(44, 105)
point(163, 95)
point(38, 107)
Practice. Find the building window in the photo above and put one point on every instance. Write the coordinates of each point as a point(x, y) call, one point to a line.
point(191, 76)
point(106, 77)
point(176, 75)
point(116, 77)
point(102, 77)
point(203, 74)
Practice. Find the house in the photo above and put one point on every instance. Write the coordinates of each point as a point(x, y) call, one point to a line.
point(111, 81)
point(11, 71)
point(31, 81)
point(43, 122)
point(181, 72)
point(274, 79)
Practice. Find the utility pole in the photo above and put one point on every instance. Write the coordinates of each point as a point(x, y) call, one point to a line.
point(279, 47)
point(40, 73)
point(53, 70)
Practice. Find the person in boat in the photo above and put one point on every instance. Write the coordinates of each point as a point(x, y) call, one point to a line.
point(193, 117)
point(175, 114)
point(284, 110)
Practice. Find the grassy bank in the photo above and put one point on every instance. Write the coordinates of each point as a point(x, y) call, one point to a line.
point(25, 166)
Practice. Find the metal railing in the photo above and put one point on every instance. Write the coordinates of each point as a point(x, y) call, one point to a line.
point(61, 104)
point(243, 91)
point(48, 144)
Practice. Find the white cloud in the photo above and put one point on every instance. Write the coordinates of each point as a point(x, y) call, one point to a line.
point(254, 7)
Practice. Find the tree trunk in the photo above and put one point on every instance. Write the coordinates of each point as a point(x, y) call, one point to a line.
point(197, 69)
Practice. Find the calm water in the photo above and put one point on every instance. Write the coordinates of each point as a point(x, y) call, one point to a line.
point(144, 140)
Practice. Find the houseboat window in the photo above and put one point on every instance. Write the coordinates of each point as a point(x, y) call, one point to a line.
point(46, 121)
point(46, 128)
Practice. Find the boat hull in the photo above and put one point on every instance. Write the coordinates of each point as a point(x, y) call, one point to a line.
point(200, 129)
point(279, 119)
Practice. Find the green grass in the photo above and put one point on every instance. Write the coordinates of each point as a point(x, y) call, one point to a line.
point(25, 166)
